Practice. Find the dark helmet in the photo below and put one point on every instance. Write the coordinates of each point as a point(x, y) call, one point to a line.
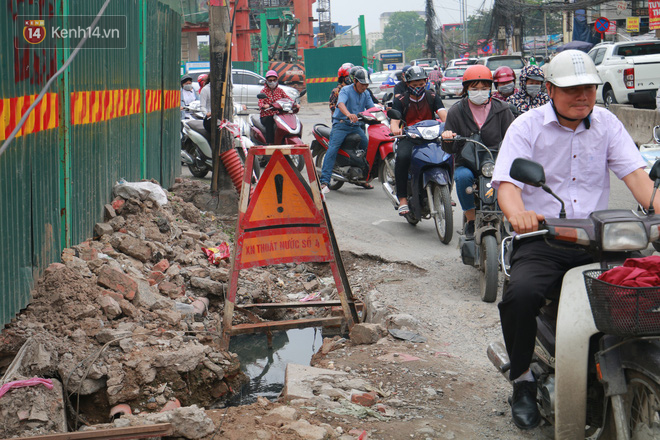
point(404, 69)
point(360, 75)
point(185, 78)
point(415, 73)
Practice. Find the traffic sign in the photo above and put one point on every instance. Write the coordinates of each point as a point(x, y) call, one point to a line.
point(391, 67)
point(602, 25)
point(283, 219)
point(486, 48)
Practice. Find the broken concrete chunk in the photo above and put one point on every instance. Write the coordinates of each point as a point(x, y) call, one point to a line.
point(109, 306)
point(366, 333)
point(147, 297)
point(117, 281)
point(135, 248)
point(101, 229)
point(187, 358)
point(110, 334)
point(306, 430)
point(117, 223)
point(109, 212)
point(301, 380)
point(207, 285)
point(33, 410)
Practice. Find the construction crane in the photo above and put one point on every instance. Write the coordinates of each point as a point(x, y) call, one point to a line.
point(326, 31)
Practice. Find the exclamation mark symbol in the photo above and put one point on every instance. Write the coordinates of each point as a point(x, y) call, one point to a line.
point(279, 184)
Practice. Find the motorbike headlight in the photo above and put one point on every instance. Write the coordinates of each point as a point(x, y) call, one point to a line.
point(655, 233)
point(624, 236)
point(430, 133)
point(380, 116)
point(487, 169)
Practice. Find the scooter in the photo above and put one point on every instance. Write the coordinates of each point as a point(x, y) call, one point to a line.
point(489, 229)
point(597, 354)
point(430, 178)
point(354, 165)
point(288, 127)
point(196, 152)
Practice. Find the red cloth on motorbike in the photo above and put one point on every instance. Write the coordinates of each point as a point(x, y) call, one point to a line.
point(635, 272)
point(272, 95)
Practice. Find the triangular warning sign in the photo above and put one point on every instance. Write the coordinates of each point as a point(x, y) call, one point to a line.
point(281, 197)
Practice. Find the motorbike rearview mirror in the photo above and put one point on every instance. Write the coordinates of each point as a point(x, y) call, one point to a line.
point(262, 82)
point(654, 174)
point(303, 93)
point(393, 114)
point(656, 134)
point(527, 172)
point(387, 97)
point(532, 173)
point(262, 96)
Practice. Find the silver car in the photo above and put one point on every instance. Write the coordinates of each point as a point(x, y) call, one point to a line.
point(246, 85)
point(452, 82)
point(378, 86)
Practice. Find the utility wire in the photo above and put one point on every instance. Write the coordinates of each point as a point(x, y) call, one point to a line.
point(11, 137)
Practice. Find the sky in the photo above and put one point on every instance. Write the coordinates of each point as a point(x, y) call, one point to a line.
point(346, 12)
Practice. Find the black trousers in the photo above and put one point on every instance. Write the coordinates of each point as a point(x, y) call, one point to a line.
point(269, 123)
point(402, 165)
point(537, 271)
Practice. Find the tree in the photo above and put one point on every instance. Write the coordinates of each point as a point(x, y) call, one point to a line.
point(405, 31)
point(204, 51)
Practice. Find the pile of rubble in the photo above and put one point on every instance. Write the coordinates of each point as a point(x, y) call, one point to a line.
point(133, 318)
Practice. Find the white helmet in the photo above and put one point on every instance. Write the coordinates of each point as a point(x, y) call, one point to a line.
point(572, 68)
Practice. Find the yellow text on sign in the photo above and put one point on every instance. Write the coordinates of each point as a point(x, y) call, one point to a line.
point(283, 247)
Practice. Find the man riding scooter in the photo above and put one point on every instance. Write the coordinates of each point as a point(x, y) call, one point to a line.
point(352, 100)
point(415, 105)
point(577, 144)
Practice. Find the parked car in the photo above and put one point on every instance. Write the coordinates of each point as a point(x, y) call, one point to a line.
point(245, 86)
point(452, 82)
point(382, 82)
point(515, 62)
point(630, 71)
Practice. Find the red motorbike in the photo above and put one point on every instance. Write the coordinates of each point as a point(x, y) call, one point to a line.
point(288, 127)
point(354, 165)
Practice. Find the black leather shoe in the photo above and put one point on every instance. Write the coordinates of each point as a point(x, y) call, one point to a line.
point(524, 410)
point(469, 230)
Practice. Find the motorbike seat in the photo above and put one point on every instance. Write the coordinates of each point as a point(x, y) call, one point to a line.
point(322, 130)
point(198, 126)
point(256, 121)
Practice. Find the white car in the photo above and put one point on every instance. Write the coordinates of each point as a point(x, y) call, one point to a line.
point(245, 86)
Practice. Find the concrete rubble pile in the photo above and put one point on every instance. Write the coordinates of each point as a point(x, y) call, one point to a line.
point(133, 317)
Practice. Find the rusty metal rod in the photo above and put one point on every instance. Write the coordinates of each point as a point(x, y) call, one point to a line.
point(144, 431)
point(285, 325)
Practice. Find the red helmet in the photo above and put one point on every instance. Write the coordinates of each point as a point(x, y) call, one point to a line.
point(477, 72)
point(504, 74)
point(343, 71)
point(201, 79)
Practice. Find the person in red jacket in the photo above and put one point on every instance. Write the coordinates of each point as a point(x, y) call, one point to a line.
point(273, 93)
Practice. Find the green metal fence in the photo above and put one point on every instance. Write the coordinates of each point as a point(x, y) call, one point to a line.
point(114, 114)
point(321, 66)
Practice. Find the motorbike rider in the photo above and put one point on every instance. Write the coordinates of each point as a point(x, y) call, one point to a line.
point(505, 82)
point(202, 80)
point(415, 105)
point(205, 103)
point(401, 87)
point(273, 93)
point(578, 144)
point(343, 79)
point(435, 76)
point(188, 94)
point(352, 100)
point(352, 73)
point(531, 94)
point(475, 113)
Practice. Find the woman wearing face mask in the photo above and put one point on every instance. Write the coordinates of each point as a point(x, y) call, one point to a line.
point(188, 94)
point(532, 94)
point(505, 83)
point(475, 113)
point(415, 105)
point(273, 93)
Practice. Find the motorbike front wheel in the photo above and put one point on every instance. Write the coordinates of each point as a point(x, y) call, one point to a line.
point(444, 219)
point(195, 170)
point(334, 184)
point(386, 175)
point(489, 268)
